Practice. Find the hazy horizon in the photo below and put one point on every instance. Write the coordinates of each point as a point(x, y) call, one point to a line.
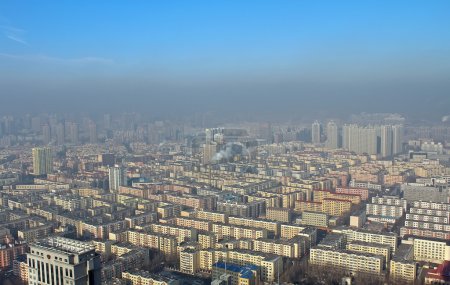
point(261, 58)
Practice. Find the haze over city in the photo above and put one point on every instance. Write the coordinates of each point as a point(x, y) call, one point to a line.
point(224, 142)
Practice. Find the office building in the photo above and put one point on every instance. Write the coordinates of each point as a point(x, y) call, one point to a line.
point(60, 261)
point(42, 160)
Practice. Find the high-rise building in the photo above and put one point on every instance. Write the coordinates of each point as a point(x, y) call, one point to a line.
point(209, 151)
point(315, 133)
point(117, 178)
point(107, 121)
point(60, 134)
point(42, 160)
point(397, 139)
point(93, 132)
point(332, 135)
point(46, 134)
point(386, 141)
point(60, 261)
point(72, 132)
point(360, 139)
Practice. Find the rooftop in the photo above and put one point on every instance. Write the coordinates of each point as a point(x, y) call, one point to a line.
point(65, 245)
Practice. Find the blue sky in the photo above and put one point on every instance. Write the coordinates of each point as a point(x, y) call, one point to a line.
point(204, 36)
point(252, 41)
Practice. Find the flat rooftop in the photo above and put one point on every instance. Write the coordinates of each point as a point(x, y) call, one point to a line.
point(65, 245)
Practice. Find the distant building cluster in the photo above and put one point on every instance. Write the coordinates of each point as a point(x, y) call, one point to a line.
point(126, 201)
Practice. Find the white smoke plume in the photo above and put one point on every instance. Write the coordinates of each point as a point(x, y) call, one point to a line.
point(446, 118)
point(230, 151)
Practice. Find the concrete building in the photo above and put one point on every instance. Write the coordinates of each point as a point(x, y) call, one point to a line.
point(315, 219)
point(358, 219)
point(360, 139)
point(279, 214)
point(390, 239)
point(146, 278)
point(386, 141)
point(190, 261)
point(431, 250)
point(332, 135)
point(240, 275)
point(347, 260)
point(63, 261)
point(117, 178)
point(402, 266)
point(385, 210)
point(373, 248)
point(42, 160)
point(413, 192)
point(316, 132)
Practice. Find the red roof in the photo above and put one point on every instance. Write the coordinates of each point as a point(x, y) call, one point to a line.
point(442, 272)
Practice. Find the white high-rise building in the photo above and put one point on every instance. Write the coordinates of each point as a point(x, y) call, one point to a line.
point(117, 178)
point(61, 261)
point(42, 160)
point(332, 135)
point(315, 132)
point(360, 139)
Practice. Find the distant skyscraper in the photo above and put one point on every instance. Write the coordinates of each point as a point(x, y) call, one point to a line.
point(60, 134)
point(386, 141)
point(46, 134)
point(36, 123)
point(60, 261)
point(42, 160)
point(397, 139)
point(72, 132)
point(107, 121)
point(93, 132)
point(332, 135)
point(315, 132)
point(117, 178)
point(360, 139)
point(209, 151)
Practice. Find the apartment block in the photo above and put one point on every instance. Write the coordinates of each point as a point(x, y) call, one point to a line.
point(293, 248)
point(351, 261)
point(181, 233)
point(373, 248)
point(390, 239)
point(212, 216)
point(279, 214)
point(431, 250)
point(363, 192)
point(290, 231)
point(165, 243)
point(238, 232)
point(198, 224)
point(315, 219)
point(336, 207)
point(385, 210)
point(271, 226)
